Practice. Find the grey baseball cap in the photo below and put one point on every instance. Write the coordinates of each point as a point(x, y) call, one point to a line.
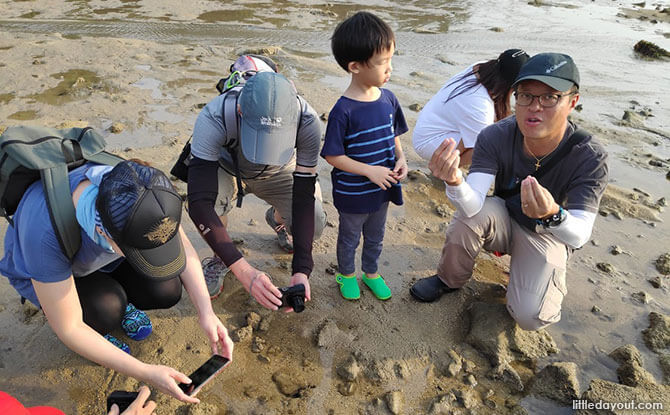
point(554, 69)
point(270, 112)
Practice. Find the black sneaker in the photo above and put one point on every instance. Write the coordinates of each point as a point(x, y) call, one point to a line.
point(429, 289)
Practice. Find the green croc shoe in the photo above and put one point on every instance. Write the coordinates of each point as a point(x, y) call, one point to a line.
point(348, 287)
point(378, 287)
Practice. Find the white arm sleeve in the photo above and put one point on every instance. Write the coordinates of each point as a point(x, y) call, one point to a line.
point(470, 194)
point(576, 229)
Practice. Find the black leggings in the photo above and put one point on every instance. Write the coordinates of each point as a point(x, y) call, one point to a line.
point(104, 296)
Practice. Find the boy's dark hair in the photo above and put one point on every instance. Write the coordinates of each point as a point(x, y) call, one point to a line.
point(359, 37)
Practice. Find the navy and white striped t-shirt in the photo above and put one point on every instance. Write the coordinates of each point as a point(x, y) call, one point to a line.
point(365, 132)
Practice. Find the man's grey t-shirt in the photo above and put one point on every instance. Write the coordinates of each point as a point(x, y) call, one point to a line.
point(576, 182)
point(209, 139)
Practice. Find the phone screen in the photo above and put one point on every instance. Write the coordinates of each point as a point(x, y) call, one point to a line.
point(204, 374)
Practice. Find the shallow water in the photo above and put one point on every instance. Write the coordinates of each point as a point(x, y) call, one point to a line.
point(24, 115)
point(603, 52)
point(75, 84)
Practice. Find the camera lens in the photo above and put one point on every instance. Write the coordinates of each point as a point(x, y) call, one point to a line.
point(298, 303)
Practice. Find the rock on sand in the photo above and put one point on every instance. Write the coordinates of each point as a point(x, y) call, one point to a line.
point(558, 382)
point(657, 336)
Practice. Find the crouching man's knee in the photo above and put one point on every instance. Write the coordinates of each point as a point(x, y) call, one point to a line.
point(529, 320)
point(320, 219)
point(536, 314)
point(536, 302)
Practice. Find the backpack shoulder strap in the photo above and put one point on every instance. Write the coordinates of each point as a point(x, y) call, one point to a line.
point(56, 184)
point(230, 118)
point(61, 209)
point(231, 124)
point(299, 116)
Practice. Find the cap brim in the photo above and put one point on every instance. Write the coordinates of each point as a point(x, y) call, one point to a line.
point(265, 147)
point(558, 84)
point(163, 262)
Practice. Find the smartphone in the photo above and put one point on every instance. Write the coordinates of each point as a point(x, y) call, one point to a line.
point(122, 398)
point(204, 374)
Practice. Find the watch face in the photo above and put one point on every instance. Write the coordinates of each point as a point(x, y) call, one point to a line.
point(555, 219)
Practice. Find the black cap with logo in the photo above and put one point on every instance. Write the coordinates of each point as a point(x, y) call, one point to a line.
point(554, 69)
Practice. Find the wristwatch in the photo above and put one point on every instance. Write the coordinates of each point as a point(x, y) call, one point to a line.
point(555, 219)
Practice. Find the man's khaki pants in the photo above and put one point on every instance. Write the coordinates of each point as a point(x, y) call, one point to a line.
point(537, 268)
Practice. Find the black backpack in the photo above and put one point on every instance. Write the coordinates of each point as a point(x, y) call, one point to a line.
point(28, 154)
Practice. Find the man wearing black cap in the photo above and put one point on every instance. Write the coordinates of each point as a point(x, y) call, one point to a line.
point(133, 250)
point(277, 149)
point(549, 178)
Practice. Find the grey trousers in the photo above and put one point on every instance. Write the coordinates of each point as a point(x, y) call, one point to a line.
point(276, 190)
point(372, 225)
point(537, 269)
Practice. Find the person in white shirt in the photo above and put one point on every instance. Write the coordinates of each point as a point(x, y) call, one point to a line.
point(468, 102)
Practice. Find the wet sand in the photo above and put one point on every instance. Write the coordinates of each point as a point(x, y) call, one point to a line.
point(150, 66)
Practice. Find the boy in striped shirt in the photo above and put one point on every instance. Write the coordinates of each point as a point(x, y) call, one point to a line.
point(362, 145)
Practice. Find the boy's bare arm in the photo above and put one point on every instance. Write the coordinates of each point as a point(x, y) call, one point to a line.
point(400, 170)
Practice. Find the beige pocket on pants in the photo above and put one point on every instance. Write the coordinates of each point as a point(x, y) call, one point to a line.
point(550, 310)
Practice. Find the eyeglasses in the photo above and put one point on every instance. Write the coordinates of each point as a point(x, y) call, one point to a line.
point(546, 100)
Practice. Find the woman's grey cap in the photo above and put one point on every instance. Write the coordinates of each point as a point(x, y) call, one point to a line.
point(269, 121)
point(554, 69)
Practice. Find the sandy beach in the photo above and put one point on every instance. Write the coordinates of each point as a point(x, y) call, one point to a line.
point(139, 71)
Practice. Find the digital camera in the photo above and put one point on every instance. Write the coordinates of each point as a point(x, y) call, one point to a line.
point(293, 296)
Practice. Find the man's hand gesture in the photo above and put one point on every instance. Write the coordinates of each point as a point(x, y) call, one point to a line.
point(536, 201)
point(444, 163)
